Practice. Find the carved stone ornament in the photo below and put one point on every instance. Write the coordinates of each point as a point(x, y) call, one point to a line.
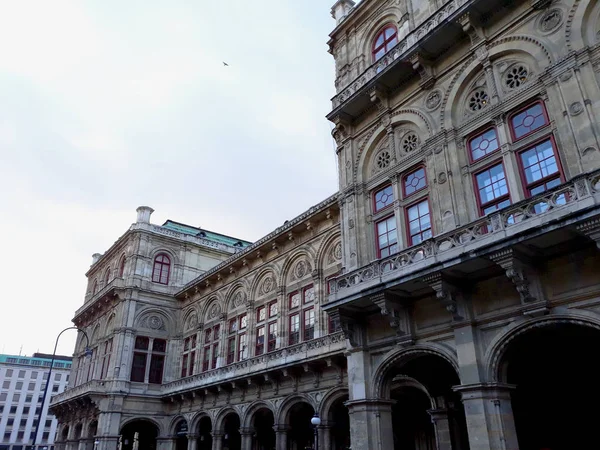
point(238, 299)
point(551, 20)
point(576, 108)
point(442, 178)
point(267, 285)
point(214, 311)
point(566, 76)
point(410, 142)
point(336, 252)
point(382, 160)
point(155, 323)
point(301, 269)
point(192, 322)
point(433, 99)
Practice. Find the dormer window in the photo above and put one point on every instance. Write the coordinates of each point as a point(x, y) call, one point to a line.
point(386, 39)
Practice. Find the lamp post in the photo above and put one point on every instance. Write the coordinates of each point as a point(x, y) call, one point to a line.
point(316, 421)
point(88, 353)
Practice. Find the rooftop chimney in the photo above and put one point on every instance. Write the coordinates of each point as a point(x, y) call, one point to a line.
point(95, 258)
point(341, 9)
point(143, 214)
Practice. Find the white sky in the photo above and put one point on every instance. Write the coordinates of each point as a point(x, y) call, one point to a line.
point(108, 105)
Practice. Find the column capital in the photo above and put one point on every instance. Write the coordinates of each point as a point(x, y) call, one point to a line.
point(489, 391)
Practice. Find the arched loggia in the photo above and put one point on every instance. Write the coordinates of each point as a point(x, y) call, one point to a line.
point(205, 434)
point(139, 434)
point(300, 434)
point(263, 437)
point(555, 375)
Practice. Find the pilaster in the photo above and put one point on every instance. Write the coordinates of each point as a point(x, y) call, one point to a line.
point(371, 424)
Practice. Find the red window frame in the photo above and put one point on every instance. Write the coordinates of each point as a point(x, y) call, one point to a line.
point(122, 266)
point(377, 236)
point(333, 326)
point(242, 346)
point(308, 328)
point(411, 172)
point(107, 277)
point(273, 311)
point(206, 360)
point(374, 198)
point(215, 355)
point(231, 350)
point(260, 343)
point(482, 206)
point(294, 336)
point(385, 45)
point(272, 336)
point(479, 134)
point(291, 295)
point(188, 359)
point(243, 322)
point(259, 310)
point(521, 110)
point(406, 210)
point(528, 187)
point(161, 270)
point(306, 300)
point(106, 358)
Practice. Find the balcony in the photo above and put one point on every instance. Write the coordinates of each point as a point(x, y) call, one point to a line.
point(425, 43)
point(85, 389)
point(532, 219)
point(285, 358)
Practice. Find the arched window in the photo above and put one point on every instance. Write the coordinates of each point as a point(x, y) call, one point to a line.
point(385, 40)
point(122, 266)
point(107, 276)
point(161, 269)
point(95, 287)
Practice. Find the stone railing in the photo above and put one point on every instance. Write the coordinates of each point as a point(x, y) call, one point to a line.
point(401, 49)
point(319, 347)
point(560, 201)
point(95, 386)
point(114, 283)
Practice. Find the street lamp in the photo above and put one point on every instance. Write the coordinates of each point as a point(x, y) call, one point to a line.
point(88, 354)
point(316, 421)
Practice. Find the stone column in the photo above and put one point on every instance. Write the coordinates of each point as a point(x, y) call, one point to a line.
point(280, 437)
point(86, 444)
point(192, 439)
point(371, 424)
point(107, 442)
point(325, 437)
point(164, 443)
point(217, 441)
point(441, 424)
point(246, 434)
point(489, 414)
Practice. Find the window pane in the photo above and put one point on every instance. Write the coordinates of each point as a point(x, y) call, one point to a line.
point(141, 343)
point(491, 184)
point(384, 197)
point(414, 181)
point(273, 309)
point(262, 314)
point(157, 363)
point(138, 368)
point(243, 322)
point(295, 300)
point(419, 222)
point(309, 294)
point(159, 345)
point(529, 120)
point(483, 144)
point(389, 32)
point(539, 162)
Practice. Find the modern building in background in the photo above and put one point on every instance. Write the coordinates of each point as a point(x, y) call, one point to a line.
point(447, 297)
point(22, 383)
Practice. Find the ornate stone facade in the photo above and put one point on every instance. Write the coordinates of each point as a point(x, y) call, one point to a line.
point(446, 297)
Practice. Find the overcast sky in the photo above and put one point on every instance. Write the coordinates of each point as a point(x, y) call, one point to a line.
point(108, 105)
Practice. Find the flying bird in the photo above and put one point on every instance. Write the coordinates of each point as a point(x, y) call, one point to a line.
point(225, 64)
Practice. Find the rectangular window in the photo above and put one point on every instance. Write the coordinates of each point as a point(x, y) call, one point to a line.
point(419, 222)
point(231, 350)
point(26, 410)
point(8, 373)
point(273, 309)
point(309, 324)
point(492, 189)
point(383, 198)
point(334, 325)
point(184, 366)
point(242, 347)
point(157, 361)
point(260, 340)
point(243, 321)
point(13, 410)
point(19, 385)
point(107, 351)
point(21, 374)
point(414, 181)
point(189, 356)
point(206, 360)
point(233, 326)
point(295, 299)
point(294, 329)
point(138, 368)
point(23, 422)
point(31, 387)
point(483, 144)
point(272, 342)
point(387, 237)
point(540, 168)
point(261, 313)
point(215, 355)
point(309, 294)
point(45, 435)
point(6, 384)
point(528, 120)
point(48, 423)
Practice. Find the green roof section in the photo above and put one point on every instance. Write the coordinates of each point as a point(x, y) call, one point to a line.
point(205, 234)
point(60, 362)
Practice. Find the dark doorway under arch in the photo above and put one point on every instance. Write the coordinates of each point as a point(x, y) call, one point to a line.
point(205, 434)
point(264, 434)
point(301, 433)
point(556, 378)
point(339, 423)
point(232, 439)
point(140, 433)
point(181, 432)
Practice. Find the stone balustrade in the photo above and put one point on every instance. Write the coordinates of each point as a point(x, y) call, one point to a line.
point(403, 49)
point(578, 194)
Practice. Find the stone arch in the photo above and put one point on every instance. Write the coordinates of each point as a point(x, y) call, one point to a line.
point(167, 251)
point(524, 44)
point(190, 319)
point(254, 407)
point(236, 296)
point(261, 285)
point(327, 246)
point(498, 346)
point(196, 418)
point(92, 429)
point(110, 324)
point(415, 118)
point(174, 421)
point(579, 16)
point(212, 310)
point(153, 319)
point(95, 334)
point(157, 424)
point(409, 382)
point(288, 403)
point(381, 385)
point(291, 269)
point(220, 417)
point(388, 16)
point(329, 399)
